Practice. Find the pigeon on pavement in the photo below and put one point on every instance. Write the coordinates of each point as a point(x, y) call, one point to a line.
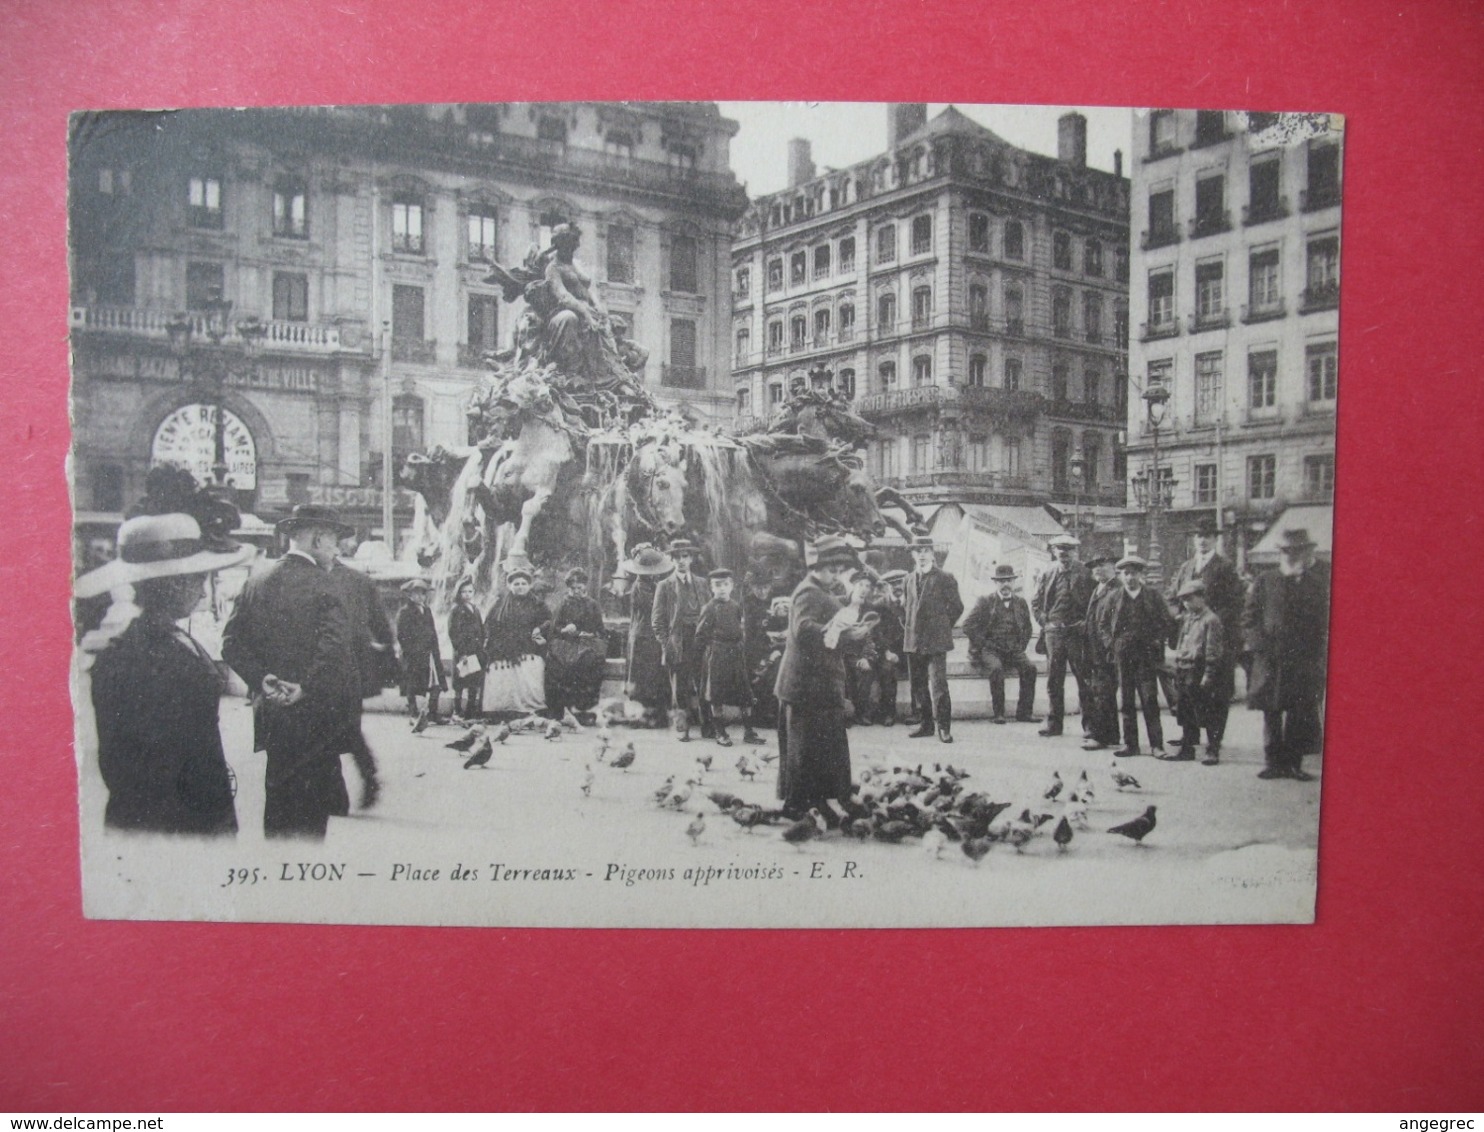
point(696, 828)
point(1055, 789)
point(625, 758)
point(1124, 781)
point(1138, 829)
point(482, 756)
point(1062, 834)
point(466, 741)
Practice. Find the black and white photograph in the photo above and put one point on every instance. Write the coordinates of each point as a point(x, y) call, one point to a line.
point(707, 514)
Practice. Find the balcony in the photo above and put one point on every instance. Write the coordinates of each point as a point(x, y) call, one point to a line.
point(1159, 238)
point(683, 377)
point(991, 481)
point(415, 350)
point(1093, 495)
point(281, 335)
point(1208, 320)
point(1210, 224)
point(1021, 403)
point(1082, 410)
point(1261, 212)
point(1325, 297)
point(1264, 312)
point(1314, 200)
point(1159, 328)
point(918, 397)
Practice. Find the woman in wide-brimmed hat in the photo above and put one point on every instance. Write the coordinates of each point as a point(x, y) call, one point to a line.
point(646, 682)
point(155, 691)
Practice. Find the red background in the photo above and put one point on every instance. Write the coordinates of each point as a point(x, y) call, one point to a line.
point(1378, 1006)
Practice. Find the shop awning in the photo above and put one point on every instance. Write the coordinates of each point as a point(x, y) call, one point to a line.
point(1025, 523)
point(1316, 518)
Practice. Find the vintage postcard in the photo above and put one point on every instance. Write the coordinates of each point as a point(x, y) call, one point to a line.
point(703, 514)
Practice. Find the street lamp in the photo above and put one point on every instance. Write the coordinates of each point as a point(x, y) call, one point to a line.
point(1079, 479)
point(1157, 493)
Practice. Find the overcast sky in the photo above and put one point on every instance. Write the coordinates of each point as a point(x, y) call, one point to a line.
point(843, 133)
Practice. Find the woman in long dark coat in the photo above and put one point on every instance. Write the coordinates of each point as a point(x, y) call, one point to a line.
point(815, 750)
point(647, 682)
point(155, 691)
point(417, 637)
point(574, 660)
point(515, 641)
point(466, 637)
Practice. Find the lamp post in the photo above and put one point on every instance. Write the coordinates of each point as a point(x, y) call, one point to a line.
point(211, 361)
point(1079, 479)
point(1155, 491)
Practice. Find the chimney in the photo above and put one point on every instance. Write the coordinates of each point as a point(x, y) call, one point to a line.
point(800, 164)
point(1071, 139)
point(1118, 163)
point(902, 118)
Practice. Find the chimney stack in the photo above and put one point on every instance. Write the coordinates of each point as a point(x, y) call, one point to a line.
point(1118, 163)
point(800, 163)
point(902, 118)
point(1071, 139)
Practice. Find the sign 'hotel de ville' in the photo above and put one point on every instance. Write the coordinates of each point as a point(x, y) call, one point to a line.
point(703, 514)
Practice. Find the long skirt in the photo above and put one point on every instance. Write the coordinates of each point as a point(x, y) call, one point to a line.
point(815, 750)
point(515, 686)
point(648, 682)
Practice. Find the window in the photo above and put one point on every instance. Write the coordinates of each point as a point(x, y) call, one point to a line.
point(822, 261)
point(775, 336)
point(1120, 262)
point(619, 143)
point(290, 296)
point(821, 326)
point(978, 306)
point(978, 453)
point(1319, 476)
point(1262, 379)
point(108, 487)
point(1061, 444)
point(484, 323)
point(847, 254)
point(922, 452)
point(1014, 240)
point(886, 376)
point(1061, 251)
point(681, 154)
point(1258, 122)
point(798, 332)
point(407, 312)
point(886, 244)
point(1161, 373)
point(1061, 312)
point(1263, 200)
point(744, 402)
point(1210, 290)
point(480, 230)
point(845, 383)
point(682, 372)
point(204, 201)
point(1092, 259)
point(551, 128)
point(775, 275)
point(407, 225)
point(1014, 368)
point(887, 452)
point(798, 268)
point(922, 235)
point(1322, 362)
point(1210, 127)
point(1162, 127)
point(775, 394)
point(1262, 281)
point(1092, 315)
point(886, 312)
point(1205, 485)
point(1011, 456)
point(1161, 219)
point(977, 365)
point(741, 282)
point(1161, 299)
point(205, 283)
point(1324, 176)
point(1323, 272)
point(1210, 206)
point(684, 264)
point(744, 345)
point(922, 370)
point(1262, 474)
point(1014, 312)
point(111, 181)
point(1059, 382)
point(1092, 381)
point(1208, 388)
point(1092, 457)
point(922, 308)
point(407, 426)
point(978, 232)
point(847, 321)
point(290, 209)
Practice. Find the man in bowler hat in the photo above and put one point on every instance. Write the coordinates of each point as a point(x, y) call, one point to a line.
point(999, 628)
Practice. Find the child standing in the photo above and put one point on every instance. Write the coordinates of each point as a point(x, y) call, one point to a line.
point(1202, 673)
point(417, 638)
point(724, 680)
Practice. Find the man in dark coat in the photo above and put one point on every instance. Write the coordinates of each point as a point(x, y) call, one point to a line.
point(1060, 607)
point(999, 628)
point(1225, 596)
point(291, 641)
point(677, 608)
point(1139, 624)
point(1287, 625)
point(1101, 677)
point(719, 634)
point(814, 749)
point(888, 637)
point(373, 649)
point(417, 639)
point(930, 610)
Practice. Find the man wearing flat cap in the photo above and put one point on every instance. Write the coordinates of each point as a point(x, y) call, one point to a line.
point(291, 641)
point(678, 601)
point(1287, 625)
point(1225, 593)
point(1139, 624)
point(1060, 606)
point(931, 608)
point(1201, 652)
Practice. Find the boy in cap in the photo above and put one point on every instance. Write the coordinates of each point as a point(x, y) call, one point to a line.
point(1200, 660)
point(417, 638)
point(1139, 624)
point(999, 628)
point(719, 634)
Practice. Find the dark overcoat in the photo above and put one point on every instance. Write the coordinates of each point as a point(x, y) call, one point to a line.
point(1099, 624)
point(677, 607)
point(1138, 626)
point(417, 637)
point(1062, 594)
point(466, 632)
point(290, 621)
point(812, 740)
point(1287, 628)
point(646, 681)
point(508, 628)
point(1000, 626)
point(574, 665)
point(369, 626)
point(931, 609)
point(724, 669)
point(1225, 591)
point(155, 697)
